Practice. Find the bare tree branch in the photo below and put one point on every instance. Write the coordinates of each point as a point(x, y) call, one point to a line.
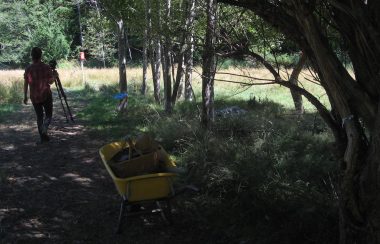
point(245, 76)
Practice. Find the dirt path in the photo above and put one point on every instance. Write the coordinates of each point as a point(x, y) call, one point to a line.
point(59, 192)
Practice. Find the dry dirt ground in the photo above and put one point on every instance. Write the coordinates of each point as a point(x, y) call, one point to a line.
point(59, 192)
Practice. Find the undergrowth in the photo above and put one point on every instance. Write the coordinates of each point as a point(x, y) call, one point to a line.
point(6, 110)
point(265, 176)
point(12, 94)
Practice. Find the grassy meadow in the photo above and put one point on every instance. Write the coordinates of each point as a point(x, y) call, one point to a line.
point(74, 78)
point(267, 176)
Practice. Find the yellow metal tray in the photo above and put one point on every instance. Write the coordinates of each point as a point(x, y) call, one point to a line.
point(144, 187)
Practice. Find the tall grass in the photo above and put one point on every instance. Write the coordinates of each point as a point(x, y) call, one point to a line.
point(11, 93)
point(264, 177)
point(75, 78)
point(275, 93)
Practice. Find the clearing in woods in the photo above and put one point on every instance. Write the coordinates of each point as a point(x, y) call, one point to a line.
point(59, 192)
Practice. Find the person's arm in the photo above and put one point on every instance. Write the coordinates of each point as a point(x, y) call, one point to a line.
point(26, 83)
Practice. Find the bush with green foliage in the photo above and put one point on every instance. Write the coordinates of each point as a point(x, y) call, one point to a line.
point(28, 24)
point(3, 93)
point(51, 40)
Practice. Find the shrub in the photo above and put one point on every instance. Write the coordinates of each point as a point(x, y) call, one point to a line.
point(3, 93)
point(16, 92)
point(12, 94)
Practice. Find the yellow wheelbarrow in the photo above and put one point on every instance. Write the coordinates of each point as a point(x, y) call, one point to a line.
point(136, 190)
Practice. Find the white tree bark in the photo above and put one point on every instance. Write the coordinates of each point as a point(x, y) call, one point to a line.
point(122, 56)
point(167, 59)
point(297, 98)
point(187, 22)
point(209, 66)
point(155, 48)
point(145, 46)
point(189, 53)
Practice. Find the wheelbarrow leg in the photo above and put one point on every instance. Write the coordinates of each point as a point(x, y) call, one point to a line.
point(168, 210)
point(121, 215)
point(165, 212)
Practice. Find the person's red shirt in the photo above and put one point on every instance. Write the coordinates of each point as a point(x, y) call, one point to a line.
point(39, 77)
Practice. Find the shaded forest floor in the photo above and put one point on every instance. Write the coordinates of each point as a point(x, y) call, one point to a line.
point(264, 177)
point(59, 192)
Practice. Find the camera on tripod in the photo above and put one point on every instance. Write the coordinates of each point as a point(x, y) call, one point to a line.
point(53, 64)
point(60, 91)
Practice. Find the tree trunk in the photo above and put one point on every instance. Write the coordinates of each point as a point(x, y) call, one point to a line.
point(187, 23)
point(101, 35)
point(155, 51)
point(179, 76)
point(167, 64)
point(370, 184)
point(209, 66)
point(181, 87)
point(350, 102)
point(122, 57)
point(189, 53)
point(172, 63)
point(145, 46)
point(354, 222)
point(181, 53)
point(297, 98)
point(355, 101)
point(189, 72)
point(156, 70)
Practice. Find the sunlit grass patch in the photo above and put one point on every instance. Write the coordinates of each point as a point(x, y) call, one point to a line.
point(7, 77)
point(11, 93)
point(75, 78)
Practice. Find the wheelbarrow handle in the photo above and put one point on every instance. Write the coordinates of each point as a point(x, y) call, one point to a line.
point(186, 188)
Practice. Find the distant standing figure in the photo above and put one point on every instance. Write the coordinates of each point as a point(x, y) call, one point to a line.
point(38, 76)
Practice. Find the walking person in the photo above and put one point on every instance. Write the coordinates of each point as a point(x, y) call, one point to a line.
point(38, 76)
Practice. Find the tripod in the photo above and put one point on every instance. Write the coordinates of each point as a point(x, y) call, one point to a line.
point(61, 92)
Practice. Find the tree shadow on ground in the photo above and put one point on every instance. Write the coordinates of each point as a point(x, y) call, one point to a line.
point(59, 192)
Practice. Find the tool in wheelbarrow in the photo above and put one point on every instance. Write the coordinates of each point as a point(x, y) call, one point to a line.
point(61, 92)
point(139, 180)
